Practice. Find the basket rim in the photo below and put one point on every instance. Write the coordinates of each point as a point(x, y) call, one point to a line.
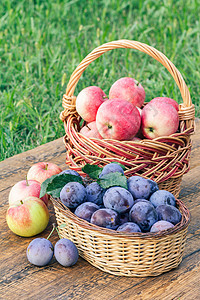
point(185, 220)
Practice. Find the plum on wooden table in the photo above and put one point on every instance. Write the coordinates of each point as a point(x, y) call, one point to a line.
point(40, 252)
point(66, 252)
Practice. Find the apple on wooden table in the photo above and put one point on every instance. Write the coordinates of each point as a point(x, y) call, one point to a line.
point(43, 170)
point(28, 218)
point(26, 188)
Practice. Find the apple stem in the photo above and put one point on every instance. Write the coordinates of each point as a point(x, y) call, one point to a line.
point(21, 202)
point(27, 181)
point(88, 127)
point(46, 166)
point(137, 83)
point(54, 226)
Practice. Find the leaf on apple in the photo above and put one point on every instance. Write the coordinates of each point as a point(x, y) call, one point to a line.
point(113, 179)
point(53, 185)
point(92, 171)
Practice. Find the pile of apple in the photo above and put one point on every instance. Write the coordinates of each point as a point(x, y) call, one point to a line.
point(123, 115)
point(28, 214)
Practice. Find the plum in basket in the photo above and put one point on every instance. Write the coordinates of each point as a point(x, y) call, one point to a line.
point(169, 213)
point(95, 193)
point(111, 168)
point(105, 217)
point(118, 198)
point(85, 210)
point(162, 197)
point(73, 194)
point(70, 172)
point(161, 225)
point(139, 187)
point(129, 227)
point(144, 215)
point(153, 185)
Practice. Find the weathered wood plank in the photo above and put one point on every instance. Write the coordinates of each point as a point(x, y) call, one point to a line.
point(84, 281)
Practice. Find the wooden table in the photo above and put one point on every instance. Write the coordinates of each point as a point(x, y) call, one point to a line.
point(21, 280)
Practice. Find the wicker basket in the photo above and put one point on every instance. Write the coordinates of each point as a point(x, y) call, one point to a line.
point(163, 159)
point(130, 254)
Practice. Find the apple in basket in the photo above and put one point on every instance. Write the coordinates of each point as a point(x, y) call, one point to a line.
point(90, 130)
point(129, 89)
point(159, 118)
point(118, 119)
point(88, 102)
point(167, 100)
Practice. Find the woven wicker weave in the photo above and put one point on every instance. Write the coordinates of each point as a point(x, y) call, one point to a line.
point(134, 254)
point(163, 159)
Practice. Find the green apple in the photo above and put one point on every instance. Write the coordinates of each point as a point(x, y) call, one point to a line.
point(28, 218)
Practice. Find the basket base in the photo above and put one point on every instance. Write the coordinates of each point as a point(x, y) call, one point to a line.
point(133, 257)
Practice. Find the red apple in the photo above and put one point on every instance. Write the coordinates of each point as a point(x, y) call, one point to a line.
point(129, 89)
point(167, 100)
point(29, 218)
point(25, 188)
point(42, 170)
point(136, 139)
point(118, 119)
point(159, 119)
point(90, 130)
point(88, 102)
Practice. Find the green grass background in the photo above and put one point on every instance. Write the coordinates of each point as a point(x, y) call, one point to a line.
point(42, 42)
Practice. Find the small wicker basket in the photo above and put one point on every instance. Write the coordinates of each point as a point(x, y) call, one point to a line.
point(125, 254)
point(163, 159)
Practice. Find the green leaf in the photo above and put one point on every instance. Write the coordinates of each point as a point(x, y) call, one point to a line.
point(113, 179)
point(44, 185)
point(93, 171)
point(53, 185)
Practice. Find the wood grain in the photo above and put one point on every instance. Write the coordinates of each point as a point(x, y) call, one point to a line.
point(21, 280)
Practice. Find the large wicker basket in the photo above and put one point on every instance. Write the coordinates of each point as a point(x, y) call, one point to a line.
point(163, 159)
point(125, 254)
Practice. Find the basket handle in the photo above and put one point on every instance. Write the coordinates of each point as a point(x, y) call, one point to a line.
point(69, 100)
